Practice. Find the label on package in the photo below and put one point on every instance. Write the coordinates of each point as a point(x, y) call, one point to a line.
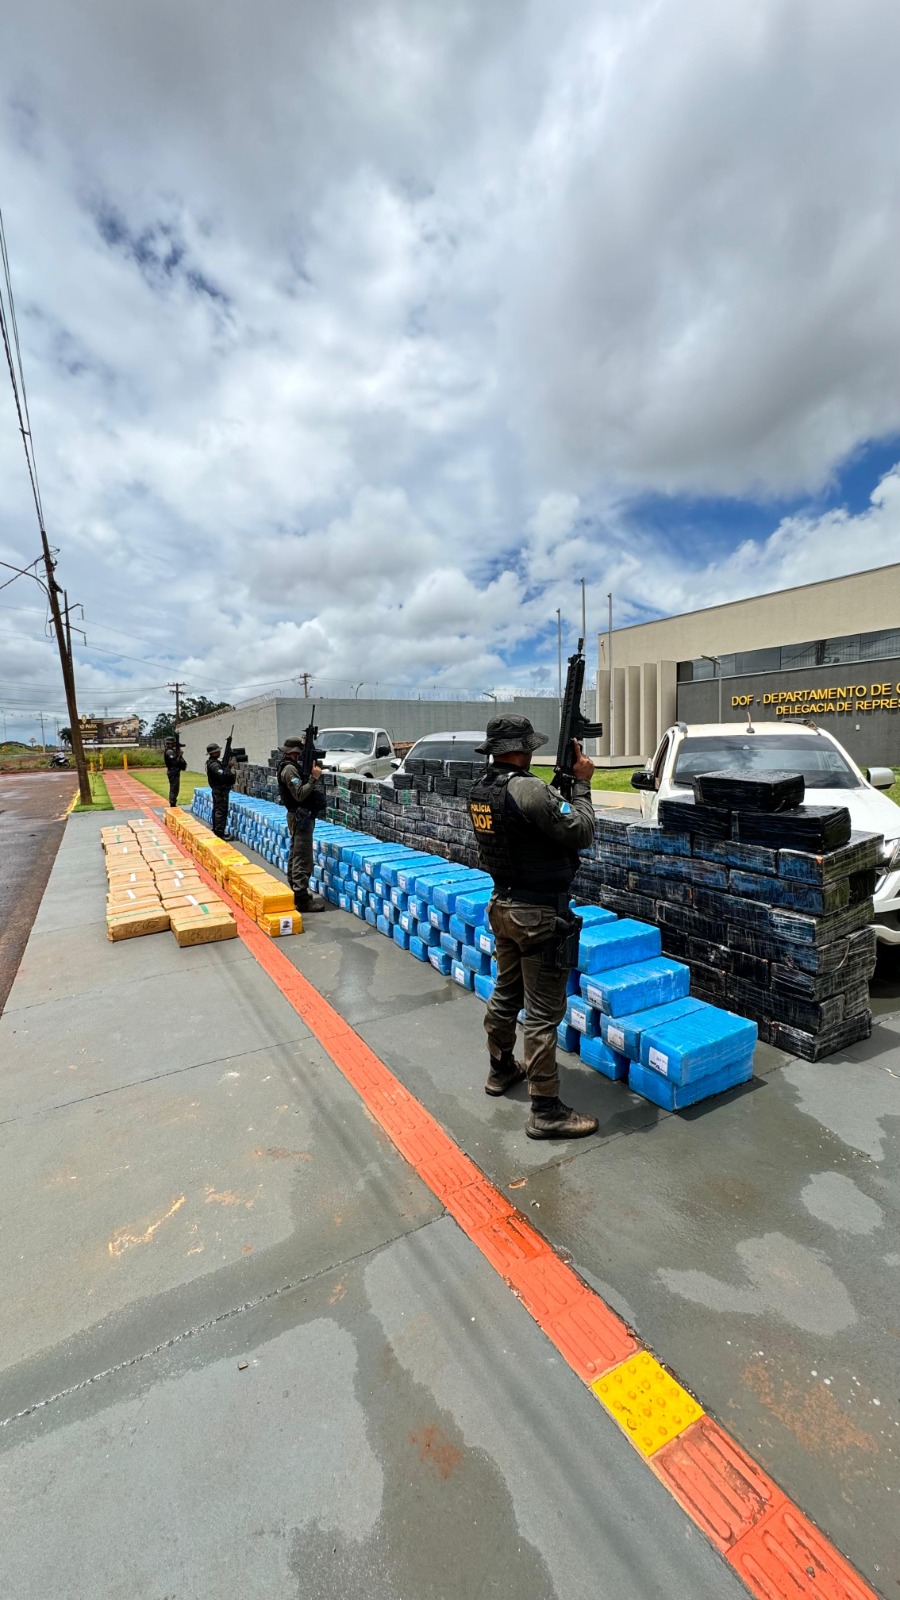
point(659, 1062)
point(578, 1020)
point(486, 943)
point(615, 1038)
point(286, 925)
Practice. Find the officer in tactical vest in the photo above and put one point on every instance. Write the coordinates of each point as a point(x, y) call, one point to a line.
point(221, 781)
point(528, 840)
point(303, 802)
point(175, 766)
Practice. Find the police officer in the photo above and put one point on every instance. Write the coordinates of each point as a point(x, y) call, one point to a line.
point(175, 766)
point(221, 781)
point(303, 802)
point(528, 840)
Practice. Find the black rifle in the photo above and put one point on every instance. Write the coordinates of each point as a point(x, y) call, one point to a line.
point(239, 753)
point(310, 757)
point(572, 725)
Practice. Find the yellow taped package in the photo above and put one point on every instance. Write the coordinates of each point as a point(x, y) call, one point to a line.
point(279, 924)
point(134, 924)
point(202, 925)
point(270, 895)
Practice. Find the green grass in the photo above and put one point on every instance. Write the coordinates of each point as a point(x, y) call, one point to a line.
point(138, 756)
point(894, 792)
point(617, 778)
point(158, 781)
point(100, 800)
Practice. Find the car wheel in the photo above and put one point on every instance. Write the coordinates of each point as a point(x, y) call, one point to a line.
point(368, 774)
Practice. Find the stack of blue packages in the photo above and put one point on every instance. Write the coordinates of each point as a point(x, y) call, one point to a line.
point(629, 1013)
point(691, 1057)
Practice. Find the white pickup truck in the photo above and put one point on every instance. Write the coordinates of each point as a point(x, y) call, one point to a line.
point(365, 751)
point(832, 778)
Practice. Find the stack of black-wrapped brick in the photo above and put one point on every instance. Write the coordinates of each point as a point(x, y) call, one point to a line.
point(771, 909)
point(425, 809)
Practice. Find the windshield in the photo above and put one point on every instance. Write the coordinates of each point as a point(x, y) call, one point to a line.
point(446, 750)
point(821, 763)
point(357, 740)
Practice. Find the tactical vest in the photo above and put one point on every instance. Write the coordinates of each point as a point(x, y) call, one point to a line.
point(313, 805)
point(287, 798)
point(517, 855)
point(217, 783)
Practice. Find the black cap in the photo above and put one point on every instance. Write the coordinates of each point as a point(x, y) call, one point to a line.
point(212, 748)
point(506, 734)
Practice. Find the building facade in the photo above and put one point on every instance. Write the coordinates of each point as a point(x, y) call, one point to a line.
point(828, 650)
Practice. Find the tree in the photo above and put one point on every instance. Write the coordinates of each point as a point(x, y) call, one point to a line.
point(66, 735)
point(163, 726)
point(200, 705)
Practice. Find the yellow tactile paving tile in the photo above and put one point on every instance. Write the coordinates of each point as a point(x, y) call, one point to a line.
point(646, 1402)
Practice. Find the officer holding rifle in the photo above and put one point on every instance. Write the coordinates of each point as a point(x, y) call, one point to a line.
point(298, 780)
point(529, 836)
point(220, 776)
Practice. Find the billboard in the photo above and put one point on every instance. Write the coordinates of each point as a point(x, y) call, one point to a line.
point(98, 731)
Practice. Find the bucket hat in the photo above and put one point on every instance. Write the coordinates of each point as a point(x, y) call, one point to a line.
point(505, 734)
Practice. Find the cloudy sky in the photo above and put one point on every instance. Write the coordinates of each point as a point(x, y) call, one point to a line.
point(356, 334)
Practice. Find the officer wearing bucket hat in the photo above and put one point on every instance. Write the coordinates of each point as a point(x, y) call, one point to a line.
point(528, 840)
point(221, 781)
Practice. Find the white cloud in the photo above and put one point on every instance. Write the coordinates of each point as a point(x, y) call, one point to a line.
point(351, 338)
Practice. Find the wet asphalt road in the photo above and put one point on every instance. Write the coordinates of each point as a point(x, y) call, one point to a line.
point(32, 808)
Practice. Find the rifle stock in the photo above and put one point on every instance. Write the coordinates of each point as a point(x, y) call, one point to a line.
point(573, 725)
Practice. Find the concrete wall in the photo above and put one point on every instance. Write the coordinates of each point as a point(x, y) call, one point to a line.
point(254, 726)
point(410, 719)
point(871, 737)
point(262, 727)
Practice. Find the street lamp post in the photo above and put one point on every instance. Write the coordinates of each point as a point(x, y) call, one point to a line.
point(718, 666)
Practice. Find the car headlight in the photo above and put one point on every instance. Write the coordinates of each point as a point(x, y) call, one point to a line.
point(890, 855)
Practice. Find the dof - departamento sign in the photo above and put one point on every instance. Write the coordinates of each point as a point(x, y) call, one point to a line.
point(853, 698)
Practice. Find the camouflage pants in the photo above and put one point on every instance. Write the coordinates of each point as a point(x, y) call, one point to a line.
point(220, 799)
point(300, 860)
point(522, 979)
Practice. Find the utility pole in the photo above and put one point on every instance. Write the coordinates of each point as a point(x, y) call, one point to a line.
point(68, 672)
point(176, 689)
point(305, 678)
point(43, 740)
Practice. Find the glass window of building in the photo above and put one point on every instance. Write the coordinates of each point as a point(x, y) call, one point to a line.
point(877, 646)
point(758, 660)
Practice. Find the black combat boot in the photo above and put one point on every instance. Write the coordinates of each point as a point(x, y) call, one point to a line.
point(304, 901)
point(504, 1074)
point(550, 1119)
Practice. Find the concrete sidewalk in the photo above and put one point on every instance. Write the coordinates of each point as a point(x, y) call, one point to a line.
point(244, 1352)
point(751, 1241)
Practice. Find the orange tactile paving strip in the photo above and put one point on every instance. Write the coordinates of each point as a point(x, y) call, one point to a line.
point(770, 1544)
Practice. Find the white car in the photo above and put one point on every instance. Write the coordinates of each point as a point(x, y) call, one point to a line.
point(365, 751)
point(445, 747)
point(832, 778)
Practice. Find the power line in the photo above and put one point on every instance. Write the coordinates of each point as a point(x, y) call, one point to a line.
point(52, 587)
